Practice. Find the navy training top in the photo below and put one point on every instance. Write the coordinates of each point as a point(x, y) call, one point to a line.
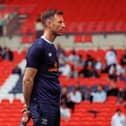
point(42, 56)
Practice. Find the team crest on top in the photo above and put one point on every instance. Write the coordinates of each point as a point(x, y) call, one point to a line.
point(49, 54)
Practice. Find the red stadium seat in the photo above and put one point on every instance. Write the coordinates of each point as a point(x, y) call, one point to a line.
point(78, 38)
point(102, 18)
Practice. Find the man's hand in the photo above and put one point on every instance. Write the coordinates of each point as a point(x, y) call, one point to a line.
point(26, 114)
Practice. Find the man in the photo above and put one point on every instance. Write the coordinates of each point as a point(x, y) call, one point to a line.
point(41, 87)
point(99, 95)
point(118, 119)
point(111, 57)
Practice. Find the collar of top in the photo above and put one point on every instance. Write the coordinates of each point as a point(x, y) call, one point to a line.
point(43, 37)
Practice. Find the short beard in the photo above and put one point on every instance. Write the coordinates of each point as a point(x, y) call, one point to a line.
point(57, 34)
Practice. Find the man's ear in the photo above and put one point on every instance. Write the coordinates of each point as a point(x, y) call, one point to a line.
point(48, 23)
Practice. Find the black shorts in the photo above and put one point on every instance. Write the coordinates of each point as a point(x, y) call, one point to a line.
point(45, 115)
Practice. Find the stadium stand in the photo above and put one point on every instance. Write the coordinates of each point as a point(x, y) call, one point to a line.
point(91, 17)
point(9, 65)
point(84, 18)
point(85, 113)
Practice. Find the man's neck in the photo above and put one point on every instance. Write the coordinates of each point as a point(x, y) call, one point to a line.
point(49, 36)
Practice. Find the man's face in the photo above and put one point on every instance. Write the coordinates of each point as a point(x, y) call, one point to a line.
point(57, 25)
point(119, 113)
point(99, 88)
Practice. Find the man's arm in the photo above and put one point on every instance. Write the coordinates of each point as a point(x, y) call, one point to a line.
point(28, 82)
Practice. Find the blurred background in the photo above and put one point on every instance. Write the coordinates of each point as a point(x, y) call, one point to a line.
point(92, 57)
